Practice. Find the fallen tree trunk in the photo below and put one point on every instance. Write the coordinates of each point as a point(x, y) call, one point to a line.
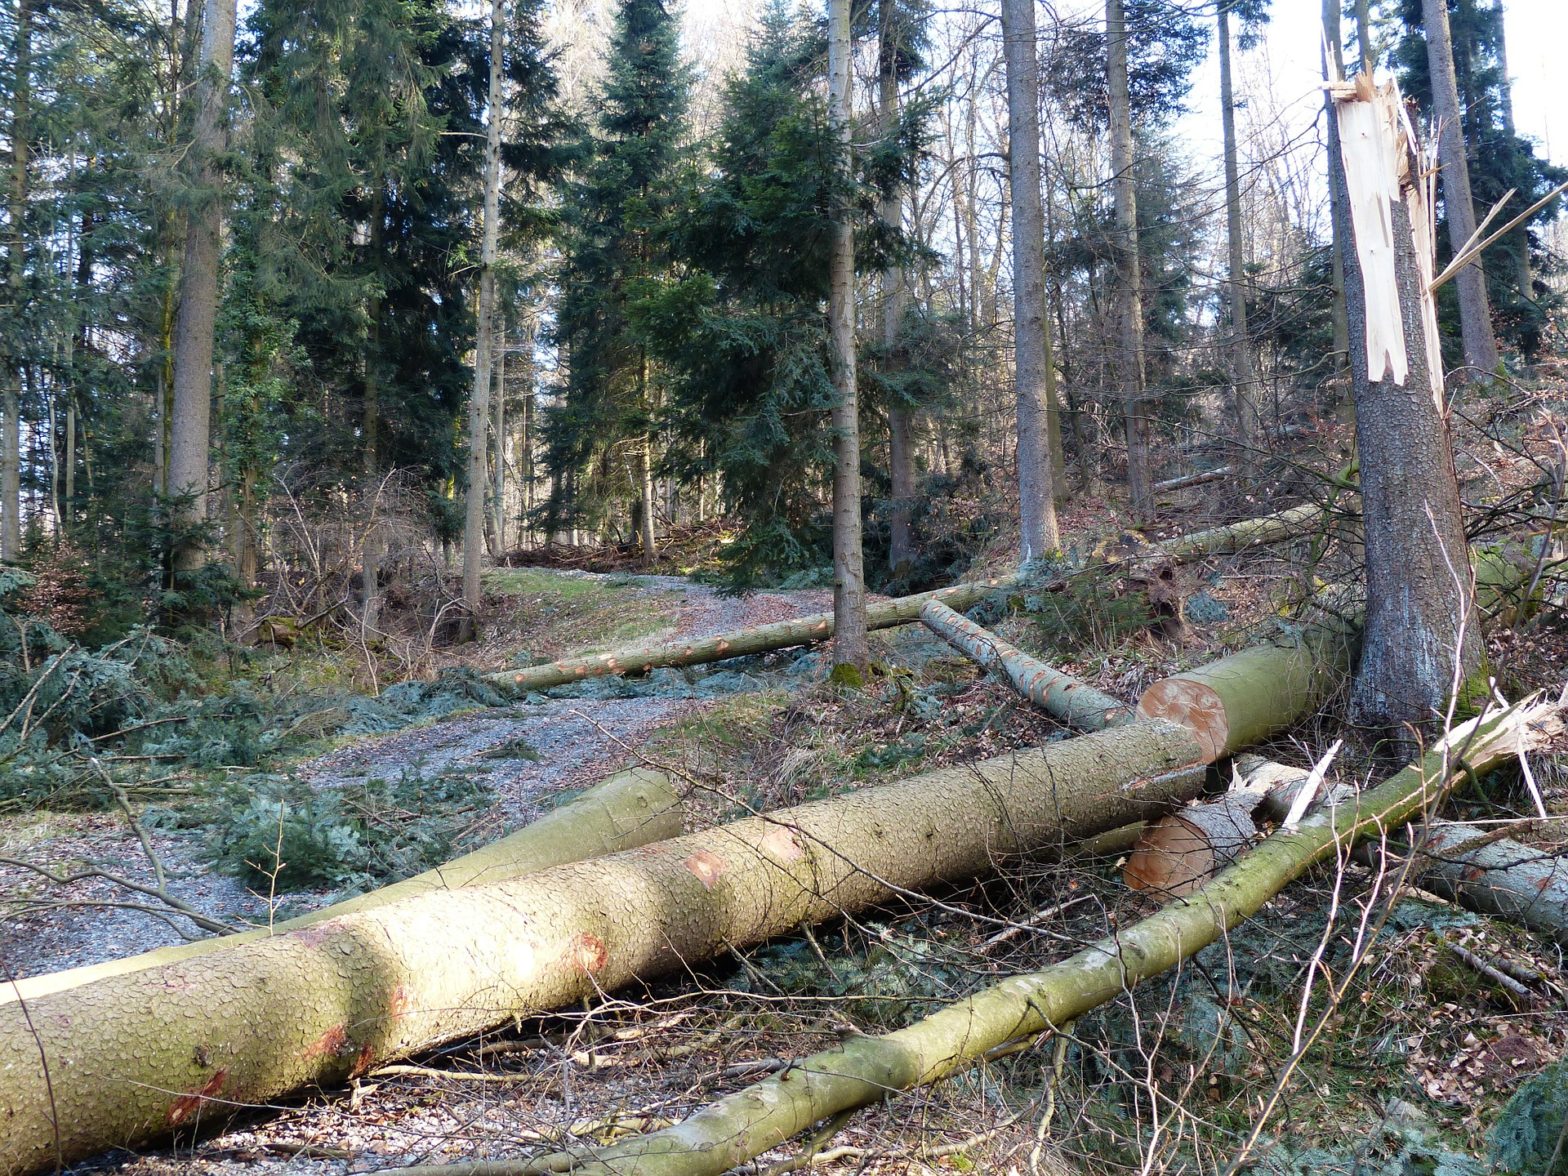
point(1200, 478)
point(1075, 703)
point(1504, 878)
point(632, 808)
point(863, 1070)
point(885, 614)
point(126, 1059)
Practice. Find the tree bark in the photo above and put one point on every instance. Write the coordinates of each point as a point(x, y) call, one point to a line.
point(1421, 637)
point(484, 343)
point(851, 653)
point(808, 630)
point(11, 401)
point(629, 809)
point(1244, 368)
point(1075, 703)
point(1339, 215)
point(864, 1070)
point(1129, 285)
point(190, 442)
point(1504, 878)
point(895, 299)
point(1475, 313)
point(1038, 535)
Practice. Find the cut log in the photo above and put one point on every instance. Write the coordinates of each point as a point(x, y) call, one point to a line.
point(1202, 477)
point(1075, 703)
point(1504, 878)
point(863, 1070)
point(125, 1060)
point(629, 809)
point(1274, 528)
point(1181, 851)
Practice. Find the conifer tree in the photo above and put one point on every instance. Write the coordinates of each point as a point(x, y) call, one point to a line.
point(601, 438)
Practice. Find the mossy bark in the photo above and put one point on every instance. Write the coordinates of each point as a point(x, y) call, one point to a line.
point(632, 808)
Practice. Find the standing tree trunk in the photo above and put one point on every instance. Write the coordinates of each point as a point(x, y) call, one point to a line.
point(495, 520)
point(1031, 354)
point(895, 297)
point(11, 427)
point(1244, 368)
point(193, 328)
point(479, 397)
point(1334, 67)
point(1475, 315)
point(1421, 637)
point(1505, 95)
point(850, 648)
point(1129, 286)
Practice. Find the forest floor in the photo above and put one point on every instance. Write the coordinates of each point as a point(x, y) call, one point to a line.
point(1409, 1052)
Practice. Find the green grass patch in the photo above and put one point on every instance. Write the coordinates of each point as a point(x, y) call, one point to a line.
point(559, 615)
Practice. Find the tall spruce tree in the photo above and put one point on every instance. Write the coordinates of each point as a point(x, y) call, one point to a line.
point(601, 437)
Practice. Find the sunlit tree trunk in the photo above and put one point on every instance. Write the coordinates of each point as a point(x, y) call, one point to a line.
point(479, 396)
point(11, 404)
point(849, 585)
point(1031, 352)
point(190, 440)
point(1475, 313)
point(1129, 289)
point(1244, 367)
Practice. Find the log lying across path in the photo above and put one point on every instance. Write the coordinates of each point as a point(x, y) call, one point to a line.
point(124, 1060)
point(632, 808)
point(1274, 528)
point(864, 1070)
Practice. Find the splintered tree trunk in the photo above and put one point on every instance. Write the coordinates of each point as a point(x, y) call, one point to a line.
point(129, 1058)
point(1129, 270)
point(1244, 367)
point(1036, 483)
point(849, 580)
point(1475, 313)
point(484, 342)
point(1274, 528)
point(631, 808)
point(864, 1070)
point(190, 442)
point(1421, 636)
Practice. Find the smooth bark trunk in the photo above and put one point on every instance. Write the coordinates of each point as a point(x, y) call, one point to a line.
point(190, 439)
point(484, 343)
point(1129, 269)
point(851, 652)
point(1244, 368)
point(11, 399)
point(1038, 535)
point(1475, 312)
